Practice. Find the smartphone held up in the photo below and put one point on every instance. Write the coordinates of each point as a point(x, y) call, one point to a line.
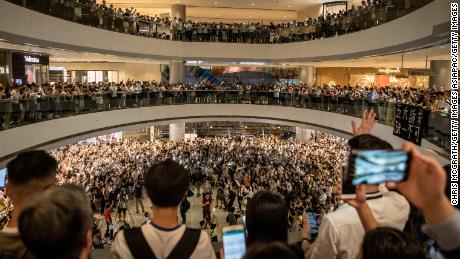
point(374, 167)
point(234, 239)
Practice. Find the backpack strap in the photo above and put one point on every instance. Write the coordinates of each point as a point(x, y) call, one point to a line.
point(137, 244)
point(186, 245)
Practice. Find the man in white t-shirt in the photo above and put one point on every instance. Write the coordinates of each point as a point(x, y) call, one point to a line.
point(341, 232)
point(167, 183)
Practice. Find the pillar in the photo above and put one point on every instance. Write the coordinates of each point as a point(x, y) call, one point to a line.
point(441, 78)
point(176, 72)
point(178, 11)
point(307, 75)
point(308, 134)
point(152, 133)
point(304, 134)
point(176, 132)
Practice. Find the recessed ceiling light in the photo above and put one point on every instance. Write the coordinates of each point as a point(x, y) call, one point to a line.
point(253, 4)
point(216, 2)
point(289, 6)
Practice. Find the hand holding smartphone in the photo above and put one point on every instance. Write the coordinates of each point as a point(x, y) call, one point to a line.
point(234, 240)
point(374, 167)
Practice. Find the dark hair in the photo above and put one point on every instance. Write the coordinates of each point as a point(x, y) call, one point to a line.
point(166, 183)
point(29, 165)
point(54, 224)
point(272, 250)
point(384, 242)
point(267, 218)
point(369, 142)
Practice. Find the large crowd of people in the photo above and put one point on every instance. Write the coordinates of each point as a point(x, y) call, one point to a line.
point(104, 15)
point(31, 102)
point(306, 174)
point(66, 189)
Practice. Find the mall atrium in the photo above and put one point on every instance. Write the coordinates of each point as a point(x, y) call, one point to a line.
point(228, 129)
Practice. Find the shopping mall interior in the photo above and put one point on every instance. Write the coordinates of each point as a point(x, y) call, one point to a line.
point(228, 129)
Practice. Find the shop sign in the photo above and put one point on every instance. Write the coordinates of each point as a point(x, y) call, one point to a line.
point(389, 70)
point(4, 70)
point(32, 59)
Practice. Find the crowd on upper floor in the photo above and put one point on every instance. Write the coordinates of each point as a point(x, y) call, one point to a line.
point(425, 97)
point(377, 223)
point(129, 20)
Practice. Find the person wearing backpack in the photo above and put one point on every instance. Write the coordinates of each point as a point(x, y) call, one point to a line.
point(167, 183)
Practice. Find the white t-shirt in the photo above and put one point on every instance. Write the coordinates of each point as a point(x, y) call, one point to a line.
point(162, 242)
point(341, 232)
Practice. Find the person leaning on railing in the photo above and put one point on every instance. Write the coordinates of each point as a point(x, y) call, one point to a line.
point(369, 13)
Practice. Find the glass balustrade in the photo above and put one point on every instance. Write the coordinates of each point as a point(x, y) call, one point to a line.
point(14, 113)
point(356, 19)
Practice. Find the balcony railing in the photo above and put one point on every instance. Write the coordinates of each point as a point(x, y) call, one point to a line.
point(106, 18)
point(14, 113)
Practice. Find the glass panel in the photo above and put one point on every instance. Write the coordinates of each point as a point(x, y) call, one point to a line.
point(341, 21)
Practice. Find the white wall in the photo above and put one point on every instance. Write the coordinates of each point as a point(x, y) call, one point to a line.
point(136, 71)
point(45, 133)
point(47, 31)
point(313, 12)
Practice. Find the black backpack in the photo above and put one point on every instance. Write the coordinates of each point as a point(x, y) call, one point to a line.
point(140, 249)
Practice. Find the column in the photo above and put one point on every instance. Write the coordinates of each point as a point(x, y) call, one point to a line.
point(178, 11)
point(176, 72)
point(440, 80)
point(176, 132)
point(307, 75)
point(307, 134)
point(304, 134)
point(152, 133)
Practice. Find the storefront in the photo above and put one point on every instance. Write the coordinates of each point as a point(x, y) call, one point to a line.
point(4, 68)
point(29, 68)
point(375, 77)
point(94, 76)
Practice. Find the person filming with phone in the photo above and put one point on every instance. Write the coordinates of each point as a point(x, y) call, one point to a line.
point(340, 233)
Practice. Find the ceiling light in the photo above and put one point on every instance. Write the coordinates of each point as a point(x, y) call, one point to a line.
point(253, 4)
point(289, 6)
point(216, 2)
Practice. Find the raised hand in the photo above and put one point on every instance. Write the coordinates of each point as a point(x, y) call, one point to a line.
point(367, 123)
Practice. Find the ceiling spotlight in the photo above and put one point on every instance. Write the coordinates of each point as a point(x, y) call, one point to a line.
point(253, 4)
point(216, 2)
point(289, 6)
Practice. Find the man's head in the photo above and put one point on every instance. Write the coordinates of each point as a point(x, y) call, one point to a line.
point(57, 223)
point(368, 142)
point(30, 172)
point(166, 183)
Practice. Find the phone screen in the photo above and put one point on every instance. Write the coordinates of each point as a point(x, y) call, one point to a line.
point(379, 166)
point(2, 177)
point(313, 224)
point(234, 244)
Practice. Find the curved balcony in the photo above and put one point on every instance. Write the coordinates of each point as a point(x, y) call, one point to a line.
point(420, 28)
point(109, 19)
point(59, 120)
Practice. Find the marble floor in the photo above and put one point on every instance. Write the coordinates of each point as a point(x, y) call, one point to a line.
point(194, 215)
